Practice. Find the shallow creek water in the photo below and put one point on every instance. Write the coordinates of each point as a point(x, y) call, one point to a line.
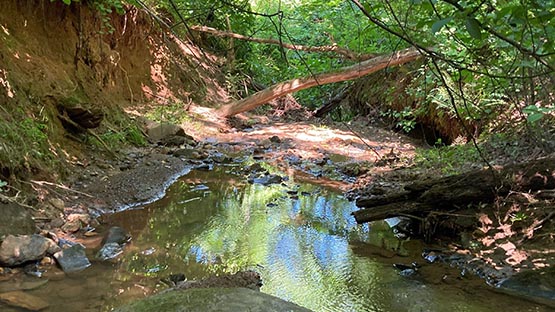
point(300, 237)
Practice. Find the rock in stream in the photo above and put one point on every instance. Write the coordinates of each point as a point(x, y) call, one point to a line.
point(16, 250)
point(212, 299)
point(112, 244)
point(72, 259)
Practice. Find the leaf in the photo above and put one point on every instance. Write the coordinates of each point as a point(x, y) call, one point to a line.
point(439, 24)
point(532, 118)
point(530, 109)
point(473, 28)
point(68, 2)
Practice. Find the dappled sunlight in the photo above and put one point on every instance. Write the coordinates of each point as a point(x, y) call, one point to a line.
point(509, 237)
point(5, 83)
point(314, 142)
point(160, 55)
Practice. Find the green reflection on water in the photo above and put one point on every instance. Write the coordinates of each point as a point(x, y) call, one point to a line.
point(298, 237)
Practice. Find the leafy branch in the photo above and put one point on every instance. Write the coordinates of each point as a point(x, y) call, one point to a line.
point(348, 54)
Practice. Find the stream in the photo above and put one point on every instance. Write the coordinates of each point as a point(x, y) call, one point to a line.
point(300, 237)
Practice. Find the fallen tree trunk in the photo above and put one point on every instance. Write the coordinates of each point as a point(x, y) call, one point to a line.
point(294, 85)
point(459, 190)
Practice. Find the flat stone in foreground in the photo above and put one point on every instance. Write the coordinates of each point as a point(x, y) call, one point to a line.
point(212, 299)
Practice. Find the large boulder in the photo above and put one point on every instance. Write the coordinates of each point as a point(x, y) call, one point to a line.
point(166, 133)
point(16, 250)
point(212, 299)
point(15, 220)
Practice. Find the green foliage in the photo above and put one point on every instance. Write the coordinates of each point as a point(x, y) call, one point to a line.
point(173, 112)
point(404, 119)
point(490, 57)
point(104, 8)
point(447, 159)
point(212, 13)
point(536, 113)
point(2, 185)
point(129, 135)
point(519, 216)
point(24, 141)
point(308, 23)
point(488, 53)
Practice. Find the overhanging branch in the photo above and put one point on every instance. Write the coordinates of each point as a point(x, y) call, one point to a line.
point(346, 53)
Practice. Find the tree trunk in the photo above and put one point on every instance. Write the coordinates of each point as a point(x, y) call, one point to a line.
point(459, 190)
point(343, 74)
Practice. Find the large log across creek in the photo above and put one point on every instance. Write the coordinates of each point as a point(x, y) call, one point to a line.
point(447, 193)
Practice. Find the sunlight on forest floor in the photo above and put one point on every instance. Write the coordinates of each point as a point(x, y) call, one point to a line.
point(355, 141)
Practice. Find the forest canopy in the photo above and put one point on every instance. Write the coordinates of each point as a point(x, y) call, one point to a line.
point(483, 57)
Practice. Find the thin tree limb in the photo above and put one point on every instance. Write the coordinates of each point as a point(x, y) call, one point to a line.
point(348, 54)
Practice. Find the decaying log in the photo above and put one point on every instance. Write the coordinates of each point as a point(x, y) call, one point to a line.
point(459, 190)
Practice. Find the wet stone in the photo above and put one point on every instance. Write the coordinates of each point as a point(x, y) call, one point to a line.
point(33, 270)
point(213, 299)
point(116, 235)
point(255, 168)
point(56, 222)
point(220, 158)
point(109, 251)
point(75, 222)
point(537, 285)
point(187, 153)
point(267, 179)
point(71, 226)
point(275, 139)
point(23, 300)
point(158, 132)
point(16, 250)
point(57, 203)
point(200, 187)
point(176, 140)
point(112, 244)
point(15, 221)
point(72, 259)
point(27, 283)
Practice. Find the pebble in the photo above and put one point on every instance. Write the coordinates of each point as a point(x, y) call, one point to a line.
point(57, 203)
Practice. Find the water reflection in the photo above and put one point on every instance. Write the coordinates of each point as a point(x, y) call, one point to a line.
point(298, 237)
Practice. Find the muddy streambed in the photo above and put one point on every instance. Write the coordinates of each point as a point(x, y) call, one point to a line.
point(300, 237)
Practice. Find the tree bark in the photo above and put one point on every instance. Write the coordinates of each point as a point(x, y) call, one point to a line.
point(459, 190)
point(343, 74)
